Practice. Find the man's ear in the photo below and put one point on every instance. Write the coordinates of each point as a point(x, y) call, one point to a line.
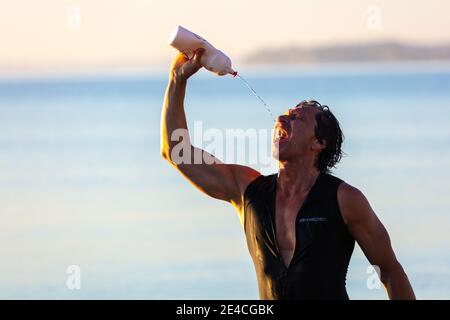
point(316, 145)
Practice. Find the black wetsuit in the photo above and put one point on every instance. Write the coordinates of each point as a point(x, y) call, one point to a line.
point(323, 244)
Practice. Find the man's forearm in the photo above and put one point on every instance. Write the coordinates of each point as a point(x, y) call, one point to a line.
point(398, 286)
point(173, 116)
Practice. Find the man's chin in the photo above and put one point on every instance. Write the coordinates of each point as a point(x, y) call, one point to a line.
point(277, 155)
point(279, 151)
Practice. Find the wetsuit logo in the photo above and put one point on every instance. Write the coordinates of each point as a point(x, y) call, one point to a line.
point(315, 219)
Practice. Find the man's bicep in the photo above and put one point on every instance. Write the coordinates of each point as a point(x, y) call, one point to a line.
point(374, 241)
point(366, 227)
point(215, 178)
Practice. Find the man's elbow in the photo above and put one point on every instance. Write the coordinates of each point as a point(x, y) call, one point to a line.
point(179, 154)
point(164, 154)
point(165, 150)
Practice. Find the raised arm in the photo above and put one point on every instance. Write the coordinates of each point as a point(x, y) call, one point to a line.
point(222, 181)
point(374, 241)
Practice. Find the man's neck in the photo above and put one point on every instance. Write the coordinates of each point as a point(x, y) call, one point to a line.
point(296, 177)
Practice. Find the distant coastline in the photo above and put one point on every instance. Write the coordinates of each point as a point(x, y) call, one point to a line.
point(351, 52)
point(380, 57)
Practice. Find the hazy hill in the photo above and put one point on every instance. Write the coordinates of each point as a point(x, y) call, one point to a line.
point(382, 51)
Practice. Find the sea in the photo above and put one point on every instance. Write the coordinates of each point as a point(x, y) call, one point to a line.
point(90, 210)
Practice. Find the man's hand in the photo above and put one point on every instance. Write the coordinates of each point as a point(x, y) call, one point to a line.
point(182, 67)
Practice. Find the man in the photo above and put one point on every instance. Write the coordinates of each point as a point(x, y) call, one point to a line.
point(301, 223)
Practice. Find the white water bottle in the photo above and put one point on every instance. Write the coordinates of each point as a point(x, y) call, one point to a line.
point(212, 59)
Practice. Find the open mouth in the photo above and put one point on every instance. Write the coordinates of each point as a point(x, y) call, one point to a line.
point(281, 135)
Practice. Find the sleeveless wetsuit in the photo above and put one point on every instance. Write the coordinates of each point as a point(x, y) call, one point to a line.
point(323, 244)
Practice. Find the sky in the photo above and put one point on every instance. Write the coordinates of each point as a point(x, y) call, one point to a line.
point(68, 35)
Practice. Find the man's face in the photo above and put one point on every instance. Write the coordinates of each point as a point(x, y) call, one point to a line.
point(295, 133)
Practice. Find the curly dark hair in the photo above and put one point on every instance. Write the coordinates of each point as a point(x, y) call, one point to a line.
point(328, 131)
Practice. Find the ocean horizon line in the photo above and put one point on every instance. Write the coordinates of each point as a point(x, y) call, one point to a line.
point(156, 72)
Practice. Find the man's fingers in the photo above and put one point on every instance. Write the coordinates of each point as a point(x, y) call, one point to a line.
point(186, 66)
point(197, 56)
point(182, 56)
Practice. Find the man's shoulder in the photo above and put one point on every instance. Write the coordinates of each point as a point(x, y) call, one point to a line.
point(259, 181)
point(346, 192)
point(351, 200)
point(349, 191)
point(244, 176)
